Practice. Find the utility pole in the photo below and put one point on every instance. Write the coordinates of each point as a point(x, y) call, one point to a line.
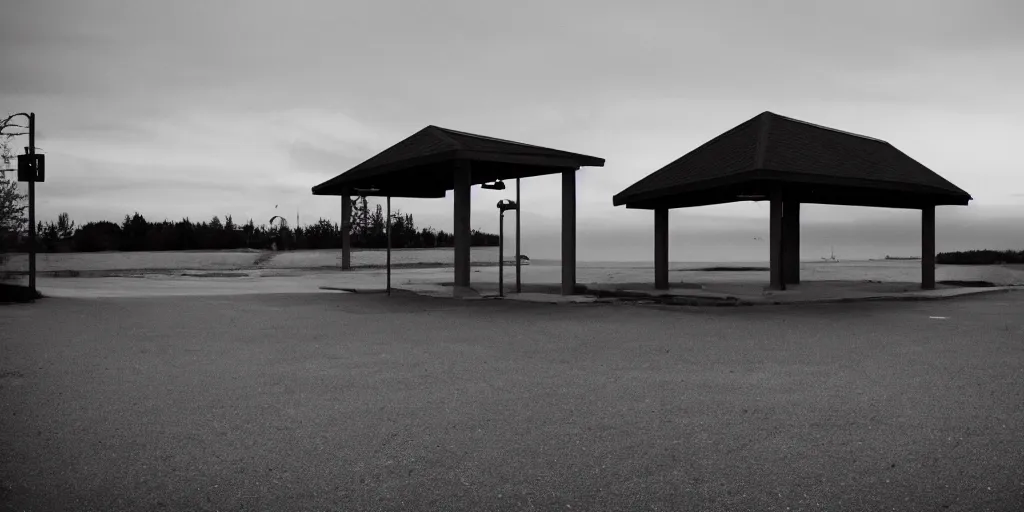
point(31, 169)
point(32, 206)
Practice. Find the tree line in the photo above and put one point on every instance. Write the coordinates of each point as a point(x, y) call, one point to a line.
point(979, 257)
point(136, 233)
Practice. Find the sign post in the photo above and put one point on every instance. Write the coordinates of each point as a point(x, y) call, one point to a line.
point(31, 168)
point(32, 206)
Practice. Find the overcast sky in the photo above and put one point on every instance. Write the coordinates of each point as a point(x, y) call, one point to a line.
point(202, 108)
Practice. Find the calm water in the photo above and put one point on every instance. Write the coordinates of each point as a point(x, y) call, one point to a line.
point(332, 257)
point(884, 270)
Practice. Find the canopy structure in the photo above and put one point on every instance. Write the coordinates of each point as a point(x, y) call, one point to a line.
point(789, 162)
point(435, 160)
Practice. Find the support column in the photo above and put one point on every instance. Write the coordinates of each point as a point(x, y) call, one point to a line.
point(776, 238)
point(568, 231)
point(791, 241)
point(461, 229)
point(661, 248)
point(346, 229)
point(928, 247)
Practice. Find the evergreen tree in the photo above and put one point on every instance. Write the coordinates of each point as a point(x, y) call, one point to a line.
point(65, 226)
point(135, 233)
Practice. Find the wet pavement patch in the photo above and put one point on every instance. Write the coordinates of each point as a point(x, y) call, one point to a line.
point(17, 293)
point(213, 274)
point(729, 269)
point(969, 284)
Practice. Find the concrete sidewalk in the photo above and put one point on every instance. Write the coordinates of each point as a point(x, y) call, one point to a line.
point(712, 294)
point(757, 293)
point(540, 284)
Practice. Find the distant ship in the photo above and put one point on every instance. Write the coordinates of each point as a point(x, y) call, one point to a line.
point(901, 257)
point(523, 260)
point(831, 259)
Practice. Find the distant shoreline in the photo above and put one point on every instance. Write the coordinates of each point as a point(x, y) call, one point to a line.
point(65, 264)
point(973, 257)
point(981, 257)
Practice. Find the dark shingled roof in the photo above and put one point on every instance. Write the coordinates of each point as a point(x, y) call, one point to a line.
point(422, 165)
point(818, 164)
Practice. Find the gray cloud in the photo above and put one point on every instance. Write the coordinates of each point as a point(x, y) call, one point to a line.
point(270, 98)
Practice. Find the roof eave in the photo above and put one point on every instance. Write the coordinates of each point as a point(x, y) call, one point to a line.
point(357, 174)
point(567, 160)
point(368, 173)
point(554, 160)
point(943, 197)
point(808, 178)
point(625, 197)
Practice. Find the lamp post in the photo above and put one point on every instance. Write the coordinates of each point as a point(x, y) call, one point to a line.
point(497, 185)
point(363, 192)
point(503, 205)
point(387, 225)
point(500, 185)
point(519, 265)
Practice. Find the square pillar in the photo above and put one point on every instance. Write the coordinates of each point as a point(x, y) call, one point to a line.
point(568, 231)
point(661, 248)
point(776, 242)
point(461, 230)
point(791, 241)
point(346, 229)
point(928, 247)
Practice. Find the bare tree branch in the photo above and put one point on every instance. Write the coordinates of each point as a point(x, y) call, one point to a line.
point(7, 120)
point(12, 202)
point(9, 123)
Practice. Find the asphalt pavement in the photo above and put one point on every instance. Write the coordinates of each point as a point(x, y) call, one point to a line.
point(324, 401)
